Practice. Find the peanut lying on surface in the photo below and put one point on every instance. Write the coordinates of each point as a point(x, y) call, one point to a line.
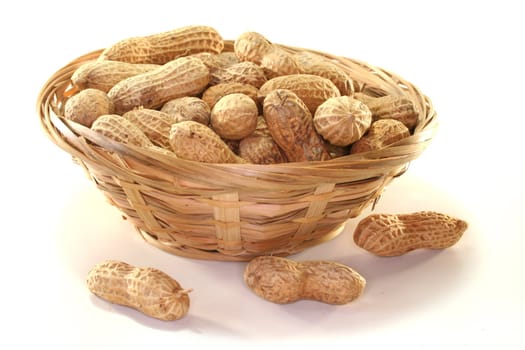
point(87, 105)
point(291, 126)
point(184, 76)
point(281, 280)
point(103, 75)
point(148, 290)
point(163, 47)
point(193, 141)
point(393, 235)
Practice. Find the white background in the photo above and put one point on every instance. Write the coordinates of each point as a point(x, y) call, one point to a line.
point(55, 225)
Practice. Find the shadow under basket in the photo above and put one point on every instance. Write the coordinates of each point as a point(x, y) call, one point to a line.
point(234, 212)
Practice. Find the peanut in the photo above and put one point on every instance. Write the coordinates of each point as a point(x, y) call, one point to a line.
point(185, 76)
point(193, 141)
point(393, 235)
point(103, 75)
point(281, 280)
point(147, 290)
point(380, 134)
point(394, 107)
point(163, 47)
point(342, 120)
point(242, 72)
point(291, 125)
point(212, 94)
point(259, 147)
point(311, 89)
point(187, 108)
point(155, 124)
point(234, 116)
point(217, 61)
point(252, 46)
point(87, 105)
point(311, 63)
point(278, 62)
point(121, 130)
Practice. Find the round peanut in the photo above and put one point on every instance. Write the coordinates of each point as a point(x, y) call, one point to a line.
point(87, 105)
point(234, 116)
point(252, 46)
point(342, 120)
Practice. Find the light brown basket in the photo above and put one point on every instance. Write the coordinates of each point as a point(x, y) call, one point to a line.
point(236, 211)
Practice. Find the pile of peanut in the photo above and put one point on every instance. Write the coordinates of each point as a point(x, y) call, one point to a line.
point(283, 280)
point(181, 93)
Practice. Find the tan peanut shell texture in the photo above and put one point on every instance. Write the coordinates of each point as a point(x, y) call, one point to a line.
point(393, 235)
point(281, 280)
point(147, 289)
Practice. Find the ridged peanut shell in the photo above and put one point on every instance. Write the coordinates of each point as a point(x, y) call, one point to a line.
point(87, 105)
point(121, 129)
point(278, 62)
point(242, 72)
point(103, 75)
point(234, 116)
point(281, 280)
point(342, 120)
point(381, 133)
point(193, 141)
point(155, 124)
point(251, 46)
point(214, 93)
point(312, 63)
point(146, 289)
point(185, 76)
point(394, 107)
point(187, 108)
point(166, 46)
point(259, 147)
point(217, 61)
point(313, 90)
point(291, 126)
point(393, 235)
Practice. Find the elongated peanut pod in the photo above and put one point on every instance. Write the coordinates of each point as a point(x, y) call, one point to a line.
point(148, 290)
point(163, 47)
point(281, 280)
point(393, 235)
point(185, 76)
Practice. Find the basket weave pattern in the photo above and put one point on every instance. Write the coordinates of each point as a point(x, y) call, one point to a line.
point(236, 211)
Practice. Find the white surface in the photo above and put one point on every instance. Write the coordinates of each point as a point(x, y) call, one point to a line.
point(56, 225)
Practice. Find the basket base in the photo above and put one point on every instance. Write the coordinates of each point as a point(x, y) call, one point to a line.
point(195, 253)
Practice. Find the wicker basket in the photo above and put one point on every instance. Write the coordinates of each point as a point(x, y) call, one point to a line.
point(236, 211)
